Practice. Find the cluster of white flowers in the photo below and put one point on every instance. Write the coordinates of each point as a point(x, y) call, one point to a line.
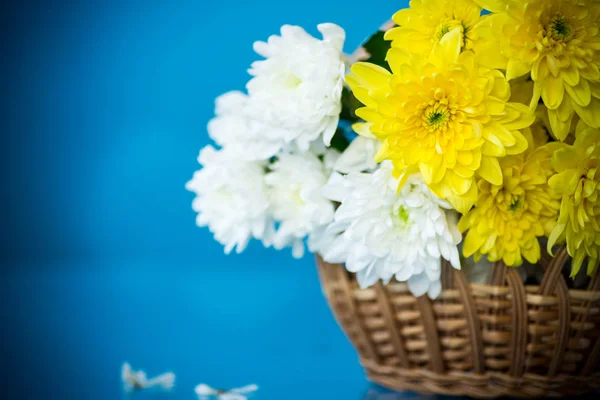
point(265, 182)
point(276, 179)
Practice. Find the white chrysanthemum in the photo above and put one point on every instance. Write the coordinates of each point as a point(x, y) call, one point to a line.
point(231, 199)
point(380, 234)
point(238, 129)
point(298, 87)
point(295, 184)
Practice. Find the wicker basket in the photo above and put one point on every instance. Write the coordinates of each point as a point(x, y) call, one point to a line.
point(483, 340)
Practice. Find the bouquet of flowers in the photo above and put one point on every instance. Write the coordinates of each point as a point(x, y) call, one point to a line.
point(465, 128)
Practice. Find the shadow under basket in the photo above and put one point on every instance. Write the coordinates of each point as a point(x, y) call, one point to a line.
point(503, 338)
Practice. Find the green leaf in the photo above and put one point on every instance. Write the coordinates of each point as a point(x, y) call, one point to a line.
point(349, 106)
point(377, 47)
point(339, 141)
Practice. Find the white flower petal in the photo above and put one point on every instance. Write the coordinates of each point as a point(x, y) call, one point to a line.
point(433, 248)
point(403, 274)
point(204, 390)
point(418, 284)
point(337, 252)
point(367, 277)
point(334, 189)
point(454, 258)
point(333, 34)
point(298, 249)
point(415, 199)
point(435, 288)
point(359, 156)
point(230, 102)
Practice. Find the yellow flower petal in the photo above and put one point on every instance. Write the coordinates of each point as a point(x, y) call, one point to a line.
point(458, 184)
point(525, 116)
point(493, 149)
point(383, 153)
point(592, 266)
point(473, 241)
point(371, 75)
point(532, 254)
point(570, 75)
point(520, 144)
point(368, 114)
point(464, 203)
point(580, 93)
point(361, 93)
point(446, 51)
point(401, 17)
point(559, 128)
point(397, 58)
point(516, 68)
point(552, 92)
point(490, 57)
point(490, 170)
point(363, 129)
point(495, 6)
point(590, 114)
point(578, 258)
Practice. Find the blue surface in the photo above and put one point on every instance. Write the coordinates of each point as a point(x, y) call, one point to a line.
point(76, 324)
point(104, 111)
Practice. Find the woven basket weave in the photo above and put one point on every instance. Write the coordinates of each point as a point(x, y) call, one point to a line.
point(503, 338)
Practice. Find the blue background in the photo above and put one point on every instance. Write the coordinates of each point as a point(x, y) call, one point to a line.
point(104, 109)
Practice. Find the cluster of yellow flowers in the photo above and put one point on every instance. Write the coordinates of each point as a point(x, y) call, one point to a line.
point(499, 111)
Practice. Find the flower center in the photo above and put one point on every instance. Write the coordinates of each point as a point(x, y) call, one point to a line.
point(446, 26)
point(436, 117)
point(400, 217)
point(559, 28)
point(297, 197)
point(515, 204)
point(445, 29)
point(403, 214)
point(291, 81)
point(223, 194)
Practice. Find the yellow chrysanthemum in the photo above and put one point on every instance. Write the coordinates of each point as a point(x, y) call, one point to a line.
point(444, 116)
point(558, 41)
point(427, 21)
point(577, 182)
point(507, 219)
